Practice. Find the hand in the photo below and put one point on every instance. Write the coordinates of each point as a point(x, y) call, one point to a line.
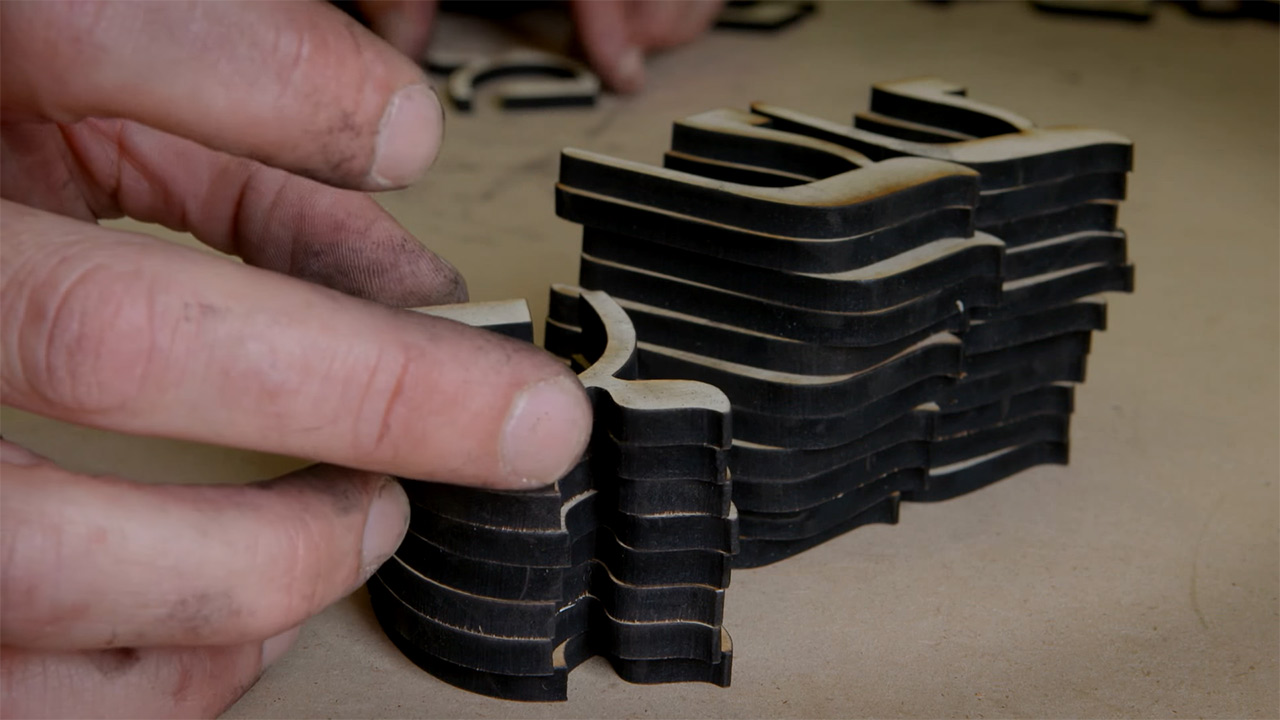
point(615, 35)
point(238, 123)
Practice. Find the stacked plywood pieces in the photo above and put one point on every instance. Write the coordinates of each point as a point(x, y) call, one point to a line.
point(627, 556)
point(896, 309)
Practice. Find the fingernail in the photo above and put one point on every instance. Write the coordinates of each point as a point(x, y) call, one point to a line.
point(631, 70)
point(385, 527)
point(408, 138)
point(546, 432)
point(275, 647)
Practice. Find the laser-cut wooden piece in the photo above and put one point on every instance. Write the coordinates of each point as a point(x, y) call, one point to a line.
point(905, 129)
point(1067, 251)
point(1082, 315)
point(763, 15)
point(503, 592)
point(922, 271)
point(718, 295)
point(1030, 157)
point(1044, 400)
point(935, 102)
point(1009, 204)
point(830, 225)
point(764, 463)
point(760, 248)
point(831, 431)
point(815, 520)
point(670, 329)
point(573, 83)
point(867, 329)
point(968, 394)
point(735, 137)
point(793, 395)
point(1031, 354)
point(510, 618)
point(1027, 431)
point(952, 481)
point(794, 496)
point(1099, 216)
point(759, 552)
point(505, 317)
point(534, 656)
point(1060, 287)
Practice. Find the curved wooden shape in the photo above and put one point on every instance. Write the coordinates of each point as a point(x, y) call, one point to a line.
point(935, 102)
point(1029, 157)
point(574, 84)
point(924, 270)
point(680, 331)
point(626, 556)
point(830, 225)
point(841, 329)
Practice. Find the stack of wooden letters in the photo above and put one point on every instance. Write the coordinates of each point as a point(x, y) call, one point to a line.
point(890, 310)
point(628, 556)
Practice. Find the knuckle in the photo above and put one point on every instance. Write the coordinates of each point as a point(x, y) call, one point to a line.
point(85, 333)
point(381, 406)
point(307, 61)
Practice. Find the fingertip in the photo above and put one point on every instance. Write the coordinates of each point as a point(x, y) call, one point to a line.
point(545, 432)
point(384, 528)
point(628, 74)
point(409, 137)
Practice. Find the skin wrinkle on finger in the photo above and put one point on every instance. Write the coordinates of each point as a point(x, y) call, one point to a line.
point(235, 564)
point(53, 305)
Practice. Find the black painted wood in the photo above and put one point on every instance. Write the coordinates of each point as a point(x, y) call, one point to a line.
point(628, 555)
point(758, 552)
point(786, 394)
point(954, 481)
point(763, 463)
point(1081, 315)
point(858, 476)
point(1044, 400)
point(1041, 292)
point(1028, 157)
point(903, 278)
point(867, 329)
point(1068, 251)
point(939, 103)
point(832, 431)
point(674, 330)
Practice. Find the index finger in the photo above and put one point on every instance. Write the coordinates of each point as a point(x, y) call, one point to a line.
point(128, 333)
point(296, 85)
